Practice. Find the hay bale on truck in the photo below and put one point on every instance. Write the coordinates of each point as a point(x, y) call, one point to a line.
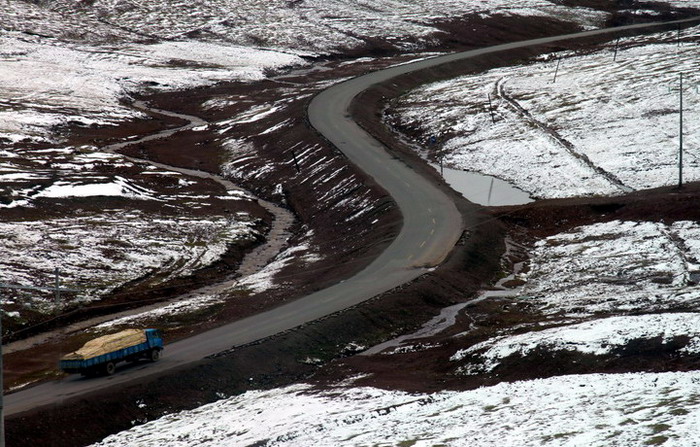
point(101, 355)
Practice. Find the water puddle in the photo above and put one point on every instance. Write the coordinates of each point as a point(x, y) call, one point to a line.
point(483, 189)
point(448, 315)
point(446, 319)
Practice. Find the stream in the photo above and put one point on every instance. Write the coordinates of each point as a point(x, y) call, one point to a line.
point(252, 263)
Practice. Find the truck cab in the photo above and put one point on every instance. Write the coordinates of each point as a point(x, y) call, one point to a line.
point(154, 339)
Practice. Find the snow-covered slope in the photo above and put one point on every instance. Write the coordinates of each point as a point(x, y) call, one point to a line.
point(625, 410)
point(106, 251)
point(317, 26)
point(616, 267)
point(598, 337)
point(89, 84)
point(602, 128)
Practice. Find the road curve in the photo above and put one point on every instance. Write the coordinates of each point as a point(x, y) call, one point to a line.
point(431, 226)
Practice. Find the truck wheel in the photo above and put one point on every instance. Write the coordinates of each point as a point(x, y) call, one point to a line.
point(110, 367)
point(154, 355)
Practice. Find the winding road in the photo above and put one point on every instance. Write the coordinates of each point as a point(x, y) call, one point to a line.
point(431, 227)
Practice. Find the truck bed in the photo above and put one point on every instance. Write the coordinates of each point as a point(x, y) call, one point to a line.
point(107, 344)
point(76, 366)
point(99, 356)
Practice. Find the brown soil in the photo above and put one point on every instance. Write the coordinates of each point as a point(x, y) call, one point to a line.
point(282, 359)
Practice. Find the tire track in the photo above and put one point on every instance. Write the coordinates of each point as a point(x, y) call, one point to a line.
point(525, 115)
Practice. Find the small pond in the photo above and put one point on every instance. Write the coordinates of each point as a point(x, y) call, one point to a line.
point(484, 189)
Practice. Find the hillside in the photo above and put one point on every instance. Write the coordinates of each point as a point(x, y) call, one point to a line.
point(167, 167)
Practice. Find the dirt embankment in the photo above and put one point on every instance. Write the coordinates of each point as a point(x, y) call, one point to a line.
point(298, 354)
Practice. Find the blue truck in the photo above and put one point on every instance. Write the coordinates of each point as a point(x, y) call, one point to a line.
point(101, 355)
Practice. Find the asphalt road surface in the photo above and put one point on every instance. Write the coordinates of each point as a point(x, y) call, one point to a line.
point(431, 227)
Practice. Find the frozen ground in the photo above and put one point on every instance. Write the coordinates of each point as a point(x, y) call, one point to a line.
point(141, 223)
point(614, 267)
point(597, 337)
point(71, 172)
point(29, 175)
point(99, 53)
point(99, 253)
point(317, 26)
point(603, 128)
point(130, 223)
point(624, 410)
point(88, 84)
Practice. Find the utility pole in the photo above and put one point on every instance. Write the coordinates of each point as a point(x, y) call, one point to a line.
point(680, 139)
point(57, 290)
point(296, 162)
point(556, 71)
point(493, 118)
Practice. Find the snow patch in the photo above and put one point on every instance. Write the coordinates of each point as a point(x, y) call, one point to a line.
point(594, 410)
point(598, 337)
point(613, 267)
point(120, 187)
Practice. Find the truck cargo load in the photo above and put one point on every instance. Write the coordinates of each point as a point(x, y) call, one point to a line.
point(108, 343)
point(101, 355)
